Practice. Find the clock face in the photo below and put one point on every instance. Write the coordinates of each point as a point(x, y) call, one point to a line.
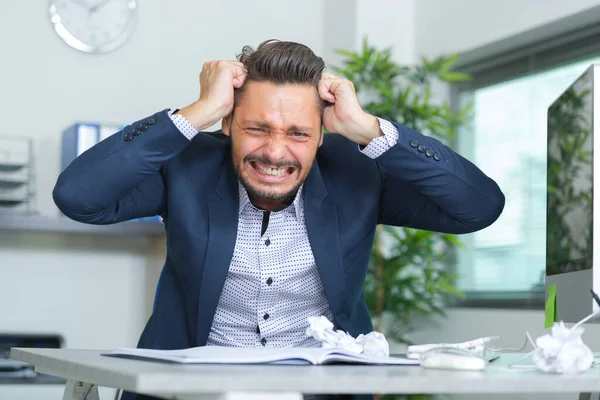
point(93, 26)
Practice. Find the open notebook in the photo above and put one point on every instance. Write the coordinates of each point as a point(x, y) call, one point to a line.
point(238, 355)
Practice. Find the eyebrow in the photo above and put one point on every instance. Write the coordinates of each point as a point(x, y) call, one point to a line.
point(267, 125)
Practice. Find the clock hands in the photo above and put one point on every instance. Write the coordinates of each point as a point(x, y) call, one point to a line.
point(98, 5)
point(91, 9)
point(81, 3)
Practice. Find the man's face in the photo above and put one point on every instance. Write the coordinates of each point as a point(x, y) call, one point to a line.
point(275, 133)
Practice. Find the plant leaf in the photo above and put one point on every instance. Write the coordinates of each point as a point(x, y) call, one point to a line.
point(454, 76)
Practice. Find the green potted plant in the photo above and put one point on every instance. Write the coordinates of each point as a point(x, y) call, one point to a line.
point(407, 275)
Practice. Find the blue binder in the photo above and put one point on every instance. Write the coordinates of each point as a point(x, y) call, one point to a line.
point(76, 139)
point(79, 137)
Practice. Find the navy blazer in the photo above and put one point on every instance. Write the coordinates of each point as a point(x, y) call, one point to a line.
point(150, 168)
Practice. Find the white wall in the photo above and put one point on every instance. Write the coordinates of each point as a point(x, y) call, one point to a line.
point(385, 23)
point(388, 23)
point(96, 291)
point(445, 27)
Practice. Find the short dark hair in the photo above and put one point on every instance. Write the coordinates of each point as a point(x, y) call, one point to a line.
point(281, 63)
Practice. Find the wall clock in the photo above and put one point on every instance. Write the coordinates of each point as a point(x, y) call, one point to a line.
point(93, 26)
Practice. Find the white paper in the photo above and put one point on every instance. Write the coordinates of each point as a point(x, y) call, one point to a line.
point(372, 344)
point(562, 351)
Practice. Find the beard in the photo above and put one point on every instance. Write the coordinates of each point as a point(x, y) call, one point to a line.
point(268, 192)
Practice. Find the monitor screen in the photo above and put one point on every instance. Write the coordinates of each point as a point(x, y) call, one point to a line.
point(570, 179)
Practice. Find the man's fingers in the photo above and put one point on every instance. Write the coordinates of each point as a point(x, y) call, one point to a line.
point(238, 70)
point(325, 92)
point(238, 81)
point(327, 86)
point(239, 73)
point(330, 86)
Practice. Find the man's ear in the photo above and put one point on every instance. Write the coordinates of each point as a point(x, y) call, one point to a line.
point(226, 124)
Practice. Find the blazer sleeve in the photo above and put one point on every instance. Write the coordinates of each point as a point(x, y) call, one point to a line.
point(122, 177)
point(426, 185)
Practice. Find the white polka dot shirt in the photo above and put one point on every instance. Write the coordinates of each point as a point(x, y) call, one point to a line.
point(273, 284)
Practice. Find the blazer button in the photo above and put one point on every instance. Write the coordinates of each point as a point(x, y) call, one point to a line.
point(428, 152)
point(143, 126)
point(436, 156)
point(128, 137)
point(413, 143)
point(421, 148)
point(151, 121)
point(136, 132)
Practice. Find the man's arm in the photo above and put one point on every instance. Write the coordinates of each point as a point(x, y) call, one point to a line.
point(428, 186)
point(425, 185)
point(121, 178)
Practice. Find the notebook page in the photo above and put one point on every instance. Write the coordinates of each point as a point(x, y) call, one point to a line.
point(227, 355)
point(342, 356)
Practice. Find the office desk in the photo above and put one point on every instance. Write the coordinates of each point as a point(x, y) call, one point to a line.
point(87, 369)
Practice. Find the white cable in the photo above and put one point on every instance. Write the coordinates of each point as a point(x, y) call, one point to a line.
point(512, 364)
point(586, 319)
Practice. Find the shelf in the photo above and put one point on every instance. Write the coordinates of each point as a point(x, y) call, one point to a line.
point(11, 165)
point(12, 183)
point(9, 202)
point(61, 224)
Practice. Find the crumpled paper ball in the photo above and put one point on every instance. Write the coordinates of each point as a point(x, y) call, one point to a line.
point(374, 344)
point(371, 344)
point(562, 351)
point(319, 328)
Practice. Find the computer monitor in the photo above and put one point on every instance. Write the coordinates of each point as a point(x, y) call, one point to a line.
point(572, 233)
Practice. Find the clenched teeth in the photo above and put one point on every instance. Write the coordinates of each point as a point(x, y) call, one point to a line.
point(271, 171)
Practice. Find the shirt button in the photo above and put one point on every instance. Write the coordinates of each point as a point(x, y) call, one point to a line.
point(267, 242)
point(266, 316)
point(263, 341)
point(269, 281)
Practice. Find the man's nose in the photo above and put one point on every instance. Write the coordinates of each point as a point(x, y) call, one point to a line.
point(276, 147)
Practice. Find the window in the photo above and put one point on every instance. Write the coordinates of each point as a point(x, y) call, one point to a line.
point(507, 140)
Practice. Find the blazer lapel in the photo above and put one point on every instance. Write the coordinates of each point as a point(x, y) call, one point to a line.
point(222, 228)
point(322, 227)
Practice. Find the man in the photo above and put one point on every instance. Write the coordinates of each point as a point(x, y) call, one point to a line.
point(270, 221)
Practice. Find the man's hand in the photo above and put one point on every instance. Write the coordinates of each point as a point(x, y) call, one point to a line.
point(218, 79)
point(345, 116)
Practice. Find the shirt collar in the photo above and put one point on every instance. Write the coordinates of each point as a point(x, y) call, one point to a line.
point(295, 207)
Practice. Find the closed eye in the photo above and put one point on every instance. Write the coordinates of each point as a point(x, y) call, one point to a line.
point(256, 130)
point(299, 134)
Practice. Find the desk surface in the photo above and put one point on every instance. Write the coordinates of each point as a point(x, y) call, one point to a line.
point(166, 379)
